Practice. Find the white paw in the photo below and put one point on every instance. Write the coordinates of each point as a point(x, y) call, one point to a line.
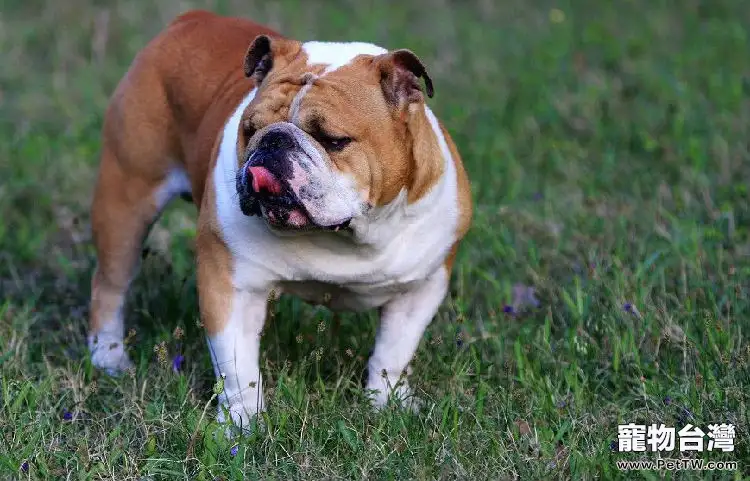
point(403, 398)
point(389, 388)
point(243, 418)
point(109, 355)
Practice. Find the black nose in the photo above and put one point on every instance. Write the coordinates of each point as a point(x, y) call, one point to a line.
point(275, 140)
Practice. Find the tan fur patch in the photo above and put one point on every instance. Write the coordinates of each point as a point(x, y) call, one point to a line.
point(465, 208)
point(215, 290)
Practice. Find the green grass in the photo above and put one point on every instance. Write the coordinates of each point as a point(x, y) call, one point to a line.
point(609, 152)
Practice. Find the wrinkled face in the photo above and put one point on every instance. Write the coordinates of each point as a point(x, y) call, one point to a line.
point(322, 142)
point(288, 178)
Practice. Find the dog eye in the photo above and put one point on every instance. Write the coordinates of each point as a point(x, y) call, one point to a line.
point(334, 144)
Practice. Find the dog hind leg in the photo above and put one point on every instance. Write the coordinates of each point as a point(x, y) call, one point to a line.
point(124, 207)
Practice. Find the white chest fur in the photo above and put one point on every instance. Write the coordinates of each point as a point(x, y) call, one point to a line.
point(394, 246)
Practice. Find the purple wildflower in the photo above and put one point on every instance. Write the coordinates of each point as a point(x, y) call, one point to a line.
point(561, 404)
point(67, 415)
point(508, 309)
point(613, 446)
point(234, 450)
point(25, 466)
point(667, 400)
point(628, 307)
point(177, 362)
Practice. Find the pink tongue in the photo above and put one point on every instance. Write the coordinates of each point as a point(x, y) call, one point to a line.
point(264, 180)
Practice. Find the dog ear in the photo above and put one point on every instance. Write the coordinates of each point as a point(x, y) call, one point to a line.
point(266, 52)
point(259, 58)
point(400, 74)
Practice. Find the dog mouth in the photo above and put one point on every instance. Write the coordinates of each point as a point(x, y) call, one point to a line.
point(295, 217)
point(262, 194)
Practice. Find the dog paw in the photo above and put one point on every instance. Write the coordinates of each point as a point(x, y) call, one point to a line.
point(239, 419)
point(401, 396)
point(109, 357)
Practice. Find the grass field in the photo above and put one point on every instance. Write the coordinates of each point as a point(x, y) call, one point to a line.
point(608, 148)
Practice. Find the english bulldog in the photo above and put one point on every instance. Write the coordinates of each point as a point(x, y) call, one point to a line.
point(317, 169)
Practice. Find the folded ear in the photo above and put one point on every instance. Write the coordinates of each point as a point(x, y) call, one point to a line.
point(263, 52)
point(400, 74)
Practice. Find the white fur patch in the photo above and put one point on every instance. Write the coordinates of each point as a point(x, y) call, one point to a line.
point(338, 54)
point(107, 346)
point(297, 100)
point(176, 183)
point(332, 196)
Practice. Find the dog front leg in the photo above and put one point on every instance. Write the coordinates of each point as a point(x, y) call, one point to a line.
point(402, 323)
point(234, 320)
point(235, 353)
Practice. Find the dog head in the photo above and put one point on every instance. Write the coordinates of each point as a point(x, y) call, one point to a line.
point(333, 131)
